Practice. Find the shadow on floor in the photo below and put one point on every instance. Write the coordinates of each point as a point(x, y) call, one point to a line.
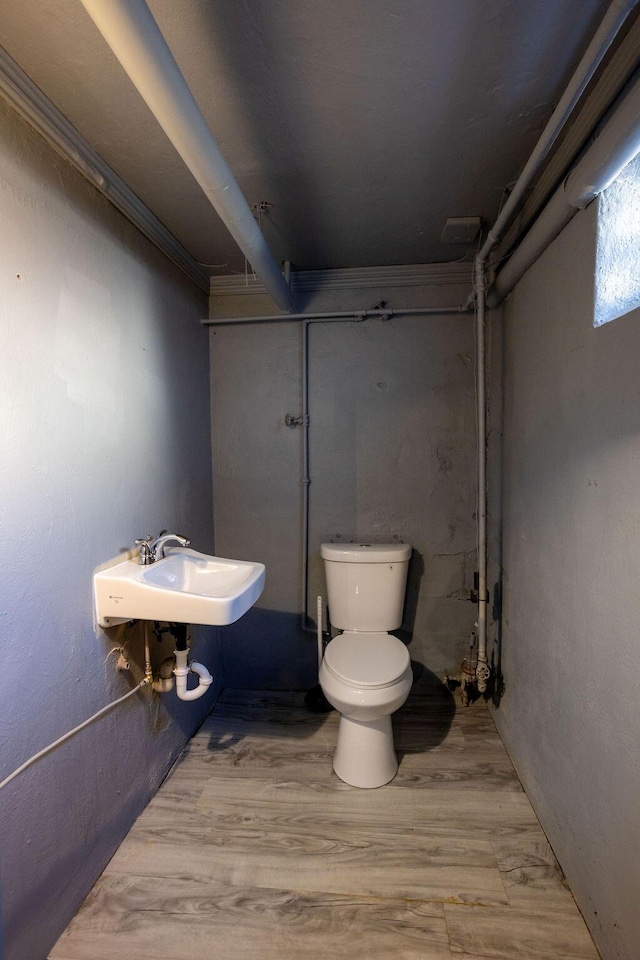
point(242, 714)
point(424, 721)
point(420, 725)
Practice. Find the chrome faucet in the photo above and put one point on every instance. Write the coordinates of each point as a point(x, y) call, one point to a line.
point(157, 546)
point(152, 550)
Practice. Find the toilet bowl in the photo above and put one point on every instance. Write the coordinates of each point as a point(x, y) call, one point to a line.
point(366, 677)
point(366, 671)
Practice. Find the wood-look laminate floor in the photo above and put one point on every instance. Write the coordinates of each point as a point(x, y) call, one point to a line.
point(253, 849)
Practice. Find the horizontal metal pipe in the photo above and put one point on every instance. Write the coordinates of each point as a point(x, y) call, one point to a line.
point(615, 146)
point(337, 315)
point(135, 38)
point(615, 16)
point(617, 143)
point(553, 218)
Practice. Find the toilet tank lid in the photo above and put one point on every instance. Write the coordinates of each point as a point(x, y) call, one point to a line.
point(365, 552)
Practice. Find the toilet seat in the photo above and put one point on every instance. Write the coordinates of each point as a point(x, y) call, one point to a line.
point(367, 660)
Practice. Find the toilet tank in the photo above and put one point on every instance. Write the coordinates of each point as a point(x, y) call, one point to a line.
point(366, 584)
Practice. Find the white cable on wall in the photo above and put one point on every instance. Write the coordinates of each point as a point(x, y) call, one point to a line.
point(71, 733)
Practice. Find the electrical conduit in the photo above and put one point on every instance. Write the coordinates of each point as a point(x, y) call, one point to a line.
point(71, 733)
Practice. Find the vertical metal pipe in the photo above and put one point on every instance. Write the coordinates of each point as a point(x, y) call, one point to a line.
point(319, 630)
point(482, 670)
point(306, 480)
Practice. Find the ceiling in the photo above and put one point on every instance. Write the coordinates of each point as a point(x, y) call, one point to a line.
point(363, 124)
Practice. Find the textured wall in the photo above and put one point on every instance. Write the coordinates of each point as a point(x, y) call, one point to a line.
point(571, 549)
point(392, 456)
point(105, 437)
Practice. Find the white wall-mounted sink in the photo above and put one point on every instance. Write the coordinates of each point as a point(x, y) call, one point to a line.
point(183, 587)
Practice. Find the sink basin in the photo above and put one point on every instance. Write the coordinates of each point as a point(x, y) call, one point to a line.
point(184, 587)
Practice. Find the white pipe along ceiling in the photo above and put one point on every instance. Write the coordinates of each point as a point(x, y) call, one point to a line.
point(601, 42)
point(616, 144)
point(134, 37)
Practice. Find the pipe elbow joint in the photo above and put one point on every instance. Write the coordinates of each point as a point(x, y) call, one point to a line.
point(182, 670)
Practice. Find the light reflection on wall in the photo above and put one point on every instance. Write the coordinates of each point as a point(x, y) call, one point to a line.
point(617, 277)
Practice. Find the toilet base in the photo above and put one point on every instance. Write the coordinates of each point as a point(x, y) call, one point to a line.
point(364, 755)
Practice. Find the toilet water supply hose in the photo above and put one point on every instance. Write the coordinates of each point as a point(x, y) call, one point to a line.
point(319, 630)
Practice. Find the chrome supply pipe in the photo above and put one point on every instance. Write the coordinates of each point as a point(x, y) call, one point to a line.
point(601, 42)
point(135, 38)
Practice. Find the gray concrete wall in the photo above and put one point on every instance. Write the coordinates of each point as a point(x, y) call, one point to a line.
point(571, 550)
point(105, 437)
point(392, 456)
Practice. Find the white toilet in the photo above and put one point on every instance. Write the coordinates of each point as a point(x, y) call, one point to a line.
point(366, 672)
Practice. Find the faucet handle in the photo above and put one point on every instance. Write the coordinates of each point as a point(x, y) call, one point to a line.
point(156, 546)
point(146, 556)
